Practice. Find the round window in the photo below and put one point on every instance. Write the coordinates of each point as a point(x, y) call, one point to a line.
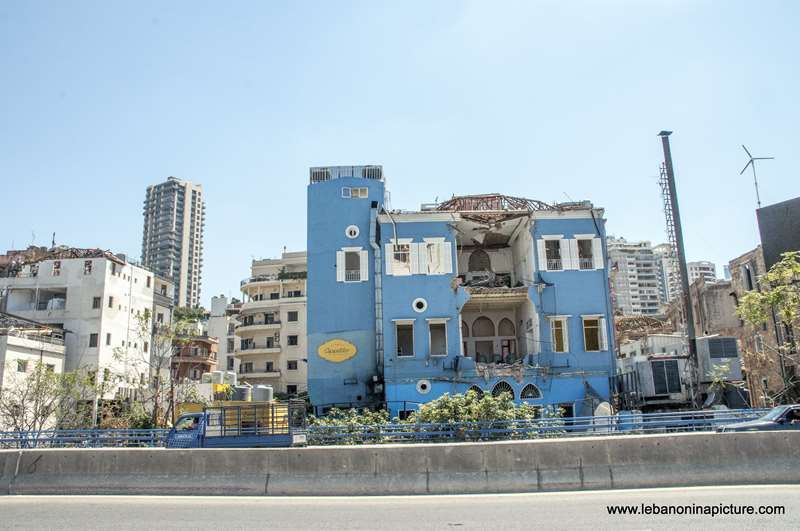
point(424, 387)
point(351, 232)
point(419, 305)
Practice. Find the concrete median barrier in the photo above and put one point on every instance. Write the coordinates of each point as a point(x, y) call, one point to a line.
point(514, 466)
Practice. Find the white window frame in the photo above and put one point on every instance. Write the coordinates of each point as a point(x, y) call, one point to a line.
point(404, 322)
point(413, 258)
point(541, 250)
point(347, 192)
point(445, 250)
point(564, 320)
point(602, 333)
point(441, 321)
point(341, 261)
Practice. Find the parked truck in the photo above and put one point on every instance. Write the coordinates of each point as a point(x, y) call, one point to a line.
point(249, 425)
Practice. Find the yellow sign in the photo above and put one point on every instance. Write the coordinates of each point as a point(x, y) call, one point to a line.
point(337, 350)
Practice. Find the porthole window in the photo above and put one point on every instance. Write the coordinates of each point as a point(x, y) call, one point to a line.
point(419, 305)
point(352, 232)
point(424, 387)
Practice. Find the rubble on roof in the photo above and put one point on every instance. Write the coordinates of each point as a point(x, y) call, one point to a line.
point(638, 326)
point(62, 252)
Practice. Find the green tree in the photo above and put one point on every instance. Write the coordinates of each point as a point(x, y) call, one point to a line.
point(43, 399)
point(779, 292)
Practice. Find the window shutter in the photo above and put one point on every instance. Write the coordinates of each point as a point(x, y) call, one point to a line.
point(540, 250)
point(413, 251)
point(447, 257)
point(422, 254)
point(573, 254)
point(603, 335)
point(339, 266)
point(389, 253)
point(566, 256)
point(597, 253)
point(364, 263)
point(566, 334)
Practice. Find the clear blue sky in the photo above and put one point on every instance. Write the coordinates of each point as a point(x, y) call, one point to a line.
point(537, 99)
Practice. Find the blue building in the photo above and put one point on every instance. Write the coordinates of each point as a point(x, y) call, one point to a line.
point(489, 292)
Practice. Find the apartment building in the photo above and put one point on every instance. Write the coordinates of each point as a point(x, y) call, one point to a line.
point(97, 299)
point(636, 277)
point(172, 239)
point(222, 321)
point(705, 269)
point(272, 324)
point(489, 293)
point(193, 357)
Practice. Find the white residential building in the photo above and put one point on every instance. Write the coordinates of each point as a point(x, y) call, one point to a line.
point(23, 344)
point(704, 269)
point(635, 277)
point(222, 322)
point(172, 239)
point(97, 298)
point(272, 324)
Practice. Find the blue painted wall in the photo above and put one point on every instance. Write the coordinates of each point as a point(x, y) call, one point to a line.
point(340, 310)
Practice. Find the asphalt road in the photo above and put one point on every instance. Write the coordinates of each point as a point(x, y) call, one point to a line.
point(572, 510)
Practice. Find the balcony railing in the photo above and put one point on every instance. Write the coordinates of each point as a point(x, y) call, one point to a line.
point(586, 263)
point(256, 346)
point(554, 264)
point(352, 276)
point(258, 323)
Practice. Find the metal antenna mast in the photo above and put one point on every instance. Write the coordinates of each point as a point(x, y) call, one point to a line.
point(675, 233)
point(752, 163)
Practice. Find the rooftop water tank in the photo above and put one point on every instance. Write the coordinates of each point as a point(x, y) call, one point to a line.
point(262, 393)
point(205, 378)
point(229, 377)
point(217, 377)
point(243, 393)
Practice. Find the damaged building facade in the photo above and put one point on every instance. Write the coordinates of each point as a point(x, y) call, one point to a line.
point(492, 293)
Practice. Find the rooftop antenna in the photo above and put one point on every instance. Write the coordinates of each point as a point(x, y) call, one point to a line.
point(752, 163)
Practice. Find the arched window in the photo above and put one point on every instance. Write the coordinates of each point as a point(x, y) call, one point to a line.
point(503, 387)
point(506, 328)
point(477, 390)
point(464, 329)
point(483, 327)
point(479, 261)
point(530, 392)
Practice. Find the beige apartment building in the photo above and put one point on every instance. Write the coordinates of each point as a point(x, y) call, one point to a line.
point(271, 331)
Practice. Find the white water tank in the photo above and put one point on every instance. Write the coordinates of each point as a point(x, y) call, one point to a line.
point(217, 377)
point(262, 393)
point(205, 378)
point(229, 377)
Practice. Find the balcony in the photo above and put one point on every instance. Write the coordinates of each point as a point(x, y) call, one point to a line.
point(272, 277)
point(255, 348)
point(259, 373)
point(586, 263)
point(257, 326)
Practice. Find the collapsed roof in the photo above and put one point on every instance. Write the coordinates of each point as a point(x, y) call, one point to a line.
point(18, 261)
point(491, 208)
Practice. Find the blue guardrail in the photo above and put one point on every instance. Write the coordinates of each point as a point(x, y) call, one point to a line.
point(620, 424)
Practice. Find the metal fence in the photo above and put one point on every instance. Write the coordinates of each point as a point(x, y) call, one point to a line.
point(400, 432)
point(541, 428)
point(116, 438)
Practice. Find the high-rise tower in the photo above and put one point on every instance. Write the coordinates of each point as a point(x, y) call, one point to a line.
point(172, 239)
